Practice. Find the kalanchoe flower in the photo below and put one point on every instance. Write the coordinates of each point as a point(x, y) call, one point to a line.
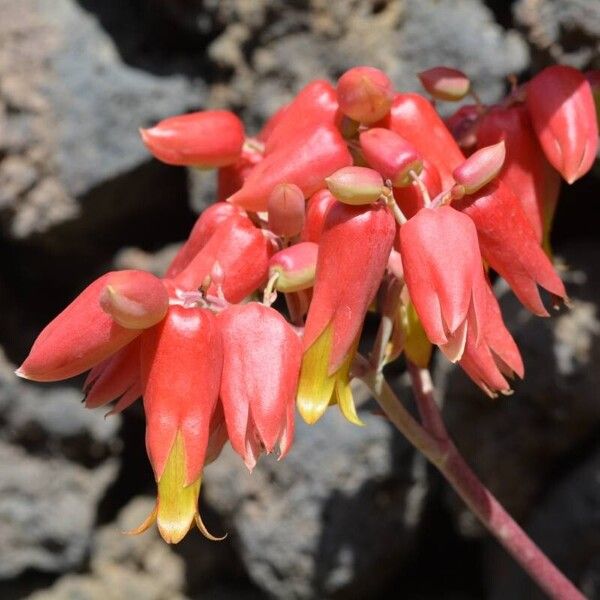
point(286, 206)
point(444, 83)
point(295, 267)
point(493, 355)
point(390, 155)
point(181, 363)
point(259, 409)
point(480, 168)
point(410, 198)
point(231, 178)
point(239, 252)
point(316, 210)
point(305, 162)
point(211, 138)
point(526, 170)
point(414, 118)
point(206, 224)
point(83, 334)
point(365, 94)
point(561, 105)
point(134, 299)
point(510, 246)
point(356, 185)
point(444, 275)
point(353, 253)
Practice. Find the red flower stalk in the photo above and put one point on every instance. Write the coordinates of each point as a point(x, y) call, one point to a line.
point(295, 267)
point(316, 210)
point(493, 356)
point(526, 170)
point(259, 410)
point(211, 138)
point(306, 162)
point(356, 185)
point(286, 206)
point(353, 253)
point(444, 83)
point(181, 364)
point(365, 94)
point(446, 293)
point(561, 105)
point(390, 155)
point(414, 118)
point(238, 252)
point(83, 334)
point(410, 198)
point(315, 105)
point(510, 246)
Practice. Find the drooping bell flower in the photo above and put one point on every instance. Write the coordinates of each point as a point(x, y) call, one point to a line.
point(509, 244)
point(84, 334)
point(415, 119)
point(272, 122)
point(480, 168)
point(118, 377)
point(181, 365)
point(315, 105)
point(306, 162)
point(316, 210)
point(526, 170)
point(444, 83)
point(444, 275)
point(206, 224)
point(391, 155)
point(286, 206)
point(410, 198)
point(365, 94)
point(353, 252)
point(259, 409)
point(295, 267)
point(493, 356)
point(207, 139)
point(239, 252)
point(231, 177)
point(356, 185)
point(560, 102)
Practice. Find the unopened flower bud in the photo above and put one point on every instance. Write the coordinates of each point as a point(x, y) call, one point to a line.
point(286, 207)
point(356, 185)
point(480, 168)
point(134, 299)
point(295, 266)
point(391, 155)
point(365, 94)
point(212, 138)
point(444, 83)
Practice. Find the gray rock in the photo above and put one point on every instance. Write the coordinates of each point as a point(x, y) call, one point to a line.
point(566, 31)
point(336, 517)
point(48, 503)
point(515, 442)
point(75, 109)
point(566, 524)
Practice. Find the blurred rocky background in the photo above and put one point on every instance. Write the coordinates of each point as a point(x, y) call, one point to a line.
point(352, 513)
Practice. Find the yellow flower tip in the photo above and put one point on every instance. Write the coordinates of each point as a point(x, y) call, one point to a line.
point(147, 523)
point(204, 531)
point(20, 373)
point(345, 400)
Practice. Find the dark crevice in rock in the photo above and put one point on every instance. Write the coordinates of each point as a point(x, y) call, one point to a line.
point(502, 10)
point(27, 583)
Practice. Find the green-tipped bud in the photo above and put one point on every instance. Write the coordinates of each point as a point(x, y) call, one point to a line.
point(444, 83)
point(286, 207)
point(480, 168)
point(356, 185)
point(295, 267)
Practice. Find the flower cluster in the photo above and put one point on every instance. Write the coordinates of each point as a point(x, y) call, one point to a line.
point(351, 199)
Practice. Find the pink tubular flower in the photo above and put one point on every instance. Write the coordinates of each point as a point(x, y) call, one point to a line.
point(259, 409)
point(181, 364)
point(83, 334)
point(561, 105)
point(236, 256)
point(510, 246)
point(211, 138)
point(353, 252)
point(493, 356)
point(444, 275)
point(316, 210)
point(410, 199)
